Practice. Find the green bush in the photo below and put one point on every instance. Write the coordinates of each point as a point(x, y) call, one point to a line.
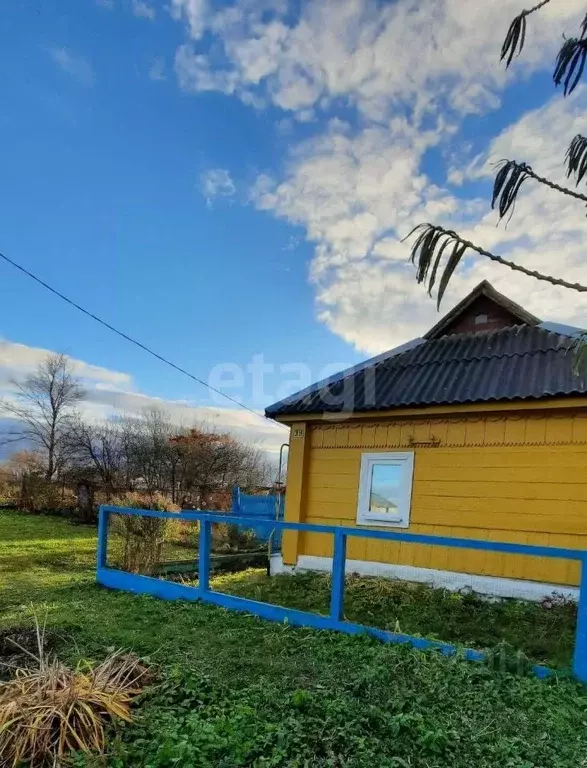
point(142, 537)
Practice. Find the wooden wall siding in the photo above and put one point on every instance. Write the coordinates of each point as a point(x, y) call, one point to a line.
point(518, 477)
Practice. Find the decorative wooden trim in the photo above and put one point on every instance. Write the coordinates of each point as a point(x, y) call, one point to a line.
point(432, 442)
point(475, 430)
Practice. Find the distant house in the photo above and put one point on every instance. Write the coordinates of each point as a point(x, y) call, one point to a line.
point(478, 430)
point(378, 503)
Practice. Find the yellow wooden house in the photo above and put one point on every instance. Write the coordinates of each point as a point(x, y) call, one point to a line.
point(476, 430)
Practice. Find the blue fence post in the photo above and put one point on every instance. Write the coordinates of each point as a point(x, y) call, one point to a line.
point(103, 516)
point(204, 555)
point(580, 654)
point(338, 563)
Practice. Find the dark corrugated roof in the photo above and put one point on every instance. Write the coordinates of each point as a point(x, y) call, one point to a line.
point(517, 363)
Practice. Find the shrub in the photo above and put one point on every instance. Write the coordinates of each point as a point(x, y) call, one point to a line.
point(142, 537)
point(231, 538)
point(43, 496)
point(49, 710)
point(381, 707)
point(8, 489)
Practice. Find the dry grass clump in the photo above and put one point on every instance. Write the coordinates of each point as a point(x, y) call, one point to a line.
point(48, 709)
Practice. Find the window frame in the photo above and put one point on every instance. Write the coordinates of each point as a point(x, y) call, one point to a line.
point(404, 459)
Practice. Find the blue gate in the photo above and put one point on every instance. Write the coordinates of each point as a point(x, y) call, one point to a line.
point(260, 508)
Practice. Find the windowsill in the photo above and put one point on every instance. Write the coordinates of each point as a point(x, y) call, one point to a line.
point(377, 523)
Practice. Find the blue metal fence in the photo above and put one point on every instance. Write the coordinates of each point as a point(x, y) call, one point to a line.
point(131, 582)
point(261, 508)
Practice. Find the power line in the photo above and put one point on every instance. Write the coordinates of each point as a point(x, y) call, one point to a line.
point(127, 337)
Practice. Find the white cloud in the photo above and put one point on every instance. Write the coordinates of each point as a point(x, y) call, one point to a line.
point(357, 195)
point(410, 71)
point(371, 55)
point(109, 392)
point(143, 10)
point(195, 12)
point(74, 65)
point(18, 360)
point(217, 182)
point(242, 424)
point(157, 69)
point(194, 74)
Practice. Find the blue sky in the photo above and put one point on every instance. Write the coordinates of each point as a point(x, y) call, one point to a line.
point(227, 181)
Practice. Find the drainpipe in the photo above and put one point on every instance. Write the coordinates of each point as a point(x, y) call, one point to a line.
point(277, 507)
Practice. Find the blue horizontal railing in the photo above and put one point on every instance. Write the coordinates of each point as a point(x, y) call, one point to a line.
point(117, 579)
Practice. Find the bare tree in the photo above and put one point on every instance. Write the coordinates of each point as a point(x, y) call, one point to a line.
point(99, 448)
point(147, 448)
point(145, 453)
point(437, 252)
point(45, 403)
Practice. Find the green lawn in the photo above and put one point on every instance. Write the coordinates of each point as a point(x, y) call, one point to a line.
point(236, 691)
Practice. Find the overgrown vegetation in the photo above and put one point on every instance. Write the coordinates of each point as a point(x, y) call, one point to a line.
point(389, 708)
point(237, 691)
point(543, 634)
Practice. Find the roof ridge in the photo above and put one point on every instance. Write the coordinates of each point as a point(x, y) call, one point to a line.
point(501, 356)
point(458, 338)
point(488, 332)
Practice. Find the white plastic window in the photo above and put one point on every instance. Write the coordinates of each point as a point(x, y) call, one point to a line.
point(385, 489)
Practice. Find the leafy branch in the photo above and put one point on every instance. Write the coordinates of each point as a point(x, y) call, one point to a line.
point(512, 175)
point(516, 36)
point(570, 61)
point(434, 241)
point(576, 158)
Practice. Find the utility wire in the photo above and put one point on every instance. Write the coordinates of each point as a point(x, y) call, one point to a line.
point(127, 337)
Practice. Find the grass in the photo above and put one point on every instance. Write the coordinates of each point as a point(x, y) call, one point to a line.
point(236, 691)
point(545, 636)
